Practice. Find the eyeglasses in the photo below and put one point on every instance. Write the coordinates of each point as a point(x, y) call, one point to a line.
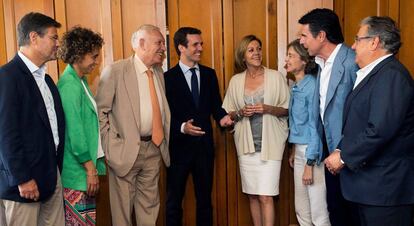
point(358, 39)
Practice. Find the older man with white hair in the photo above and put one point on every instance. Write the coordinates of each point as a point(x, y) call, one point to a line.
point(135, 124)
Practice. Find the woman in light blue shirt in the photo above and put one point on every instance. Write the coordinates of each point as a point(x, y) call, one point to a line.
point(309, 177)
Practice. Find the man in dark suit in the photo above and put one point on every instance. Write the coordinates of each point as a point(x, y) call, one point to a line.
point(193, 95)
point(376, 154)
point(31, 129)
point(321, 34)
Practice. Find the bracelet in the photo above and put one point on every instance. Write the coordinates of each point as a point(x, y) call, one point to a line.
point(94, 174)
point(238, 116)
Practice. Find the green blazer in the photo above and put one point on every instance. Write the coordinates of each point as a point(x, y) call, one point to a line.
point(82, 131)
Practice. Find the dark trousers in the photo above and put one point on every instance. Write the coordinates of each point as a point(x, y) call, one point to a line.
point(341, 211)
point(385, 215)
point(200, 164)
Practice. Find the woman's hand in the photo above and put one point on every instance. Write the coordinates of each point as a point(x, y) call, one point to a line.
point(262, 108)
point(292, 157)
point(269, 109)
point(248, 110)
point(307, 177)
point(92, 178)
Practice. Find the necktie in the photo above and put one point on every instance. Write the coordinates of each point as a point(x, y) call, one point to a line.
point(157, 130)
point(194, 86)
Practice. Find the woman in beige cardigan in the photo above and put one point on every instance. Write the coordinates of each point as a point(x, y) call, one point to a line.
point(257, 100)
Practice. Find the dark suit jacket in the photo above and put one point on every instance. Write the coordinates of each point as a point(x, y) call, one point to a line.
point(378, 138)
point(27, 149)
point(183, 108)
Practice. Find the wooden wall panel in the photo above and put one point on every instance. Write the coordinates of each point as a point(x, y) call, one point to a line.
point(13, 12)
point(207, 16)
point(407, 34)
point(351, 13)
point(289, 13)
point(223, 23)
point(238, 23)
point(3, 52)
point(88, 16)
point(263, 26)
point(134, 14)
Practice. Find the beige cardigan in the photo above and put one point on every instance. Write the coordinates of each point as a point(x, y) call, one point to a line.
point(275, 129)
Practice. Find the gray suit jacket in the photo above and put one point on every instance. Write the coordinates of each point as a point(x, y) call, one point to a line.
point(341, 82)
point(119, 115)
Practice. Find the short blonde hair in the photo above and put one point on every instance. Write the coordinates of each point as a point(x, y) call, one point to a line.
point(239, 62)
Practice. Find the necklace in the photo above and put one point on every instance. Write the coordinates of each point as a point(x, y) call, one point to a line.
point(260, 72)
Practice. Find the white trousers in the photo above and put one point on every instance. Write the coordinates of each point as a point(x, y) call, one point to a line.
point(310, 200)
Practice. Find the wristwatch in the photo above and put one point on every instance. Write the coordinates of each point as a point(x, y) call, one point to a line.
point(310, 162)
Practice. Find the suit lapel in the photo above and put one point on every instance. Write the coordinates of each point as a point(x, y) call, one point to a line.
point(364, 81)
point(336, 74)
point(203, 83)
point(131, 84)
point(40, 104)
point(88, 101)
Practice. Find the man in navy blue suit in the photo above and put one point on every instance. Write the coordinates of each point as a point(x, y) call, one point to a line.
point(193, 96)
point(31, 129)
point(322, 36)
point(375, 157)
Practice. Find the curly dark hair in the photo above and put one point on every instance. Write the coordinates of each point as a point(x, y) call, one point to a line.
point(77, 42)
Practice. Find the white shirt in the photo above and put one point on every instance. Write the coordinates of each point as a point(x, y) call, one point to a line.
point(39, 76)
point(363, 72)
point(145, 97)
point(326, 70)
point(100, 152)
point(187, 74)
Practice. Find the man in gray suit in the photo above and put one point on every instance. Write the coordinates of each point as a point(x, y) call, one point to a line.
point(321, 34)
point(135, 123)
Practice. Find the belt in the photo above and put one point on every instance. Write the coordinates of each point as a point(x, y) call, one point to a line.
point(146, 138)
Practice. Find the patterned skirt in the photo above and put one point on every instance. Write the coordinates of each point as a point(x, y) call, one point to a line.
point(80, 209)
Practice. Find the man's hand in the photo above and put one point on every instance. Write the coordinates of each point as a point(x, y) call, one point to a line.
point(192, 130)
point(333, 162)
point(307, 178)
point(29, 190)
point(226, 121)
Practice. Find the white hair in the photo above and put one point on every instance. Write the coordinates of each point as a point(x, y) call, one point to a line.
point(139, 34)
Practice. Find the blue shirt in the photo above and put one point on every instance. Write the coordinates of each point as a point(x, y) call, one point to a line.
point(300, 110)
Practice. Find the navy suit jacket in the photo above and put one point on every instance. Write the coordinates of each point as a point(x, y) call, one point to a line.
point(183, 108)
point(340, 84)
point(27, 148)
point(378, 138)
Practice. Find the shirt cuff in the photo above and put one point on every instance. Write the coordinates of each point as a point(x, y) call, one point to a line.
point(340, 159)
point(182, 128)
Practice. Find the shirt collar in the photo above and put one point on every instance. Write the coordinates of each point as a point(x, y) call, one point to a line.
point(140, 66)
point(302, 83)
point(35, 70)
point(186, 68)
point(367, 69)
point(330, 59)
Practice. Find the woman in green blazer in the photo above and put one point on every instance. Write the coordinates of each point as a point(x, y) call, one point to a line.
point(83, 156)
